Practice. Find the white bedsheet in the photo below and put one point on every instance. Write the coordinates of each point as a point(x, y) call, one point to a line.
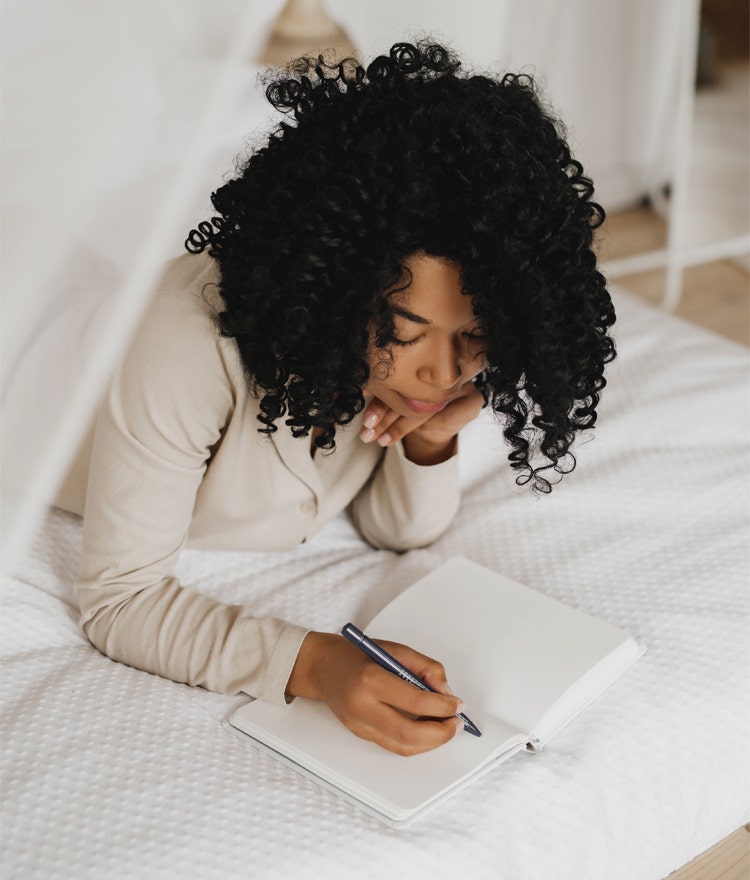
point(112, 772)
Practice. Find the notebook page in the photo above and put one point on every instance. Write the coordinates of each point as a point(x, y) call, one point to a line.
point(309, 734)
point(508, 650)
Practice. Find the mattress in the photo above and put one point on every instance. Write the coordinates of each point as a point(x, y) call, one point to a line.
point(112, 772)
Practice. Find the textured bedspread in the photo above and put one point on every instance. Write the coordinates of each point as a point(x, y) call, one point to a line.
point(112, 772)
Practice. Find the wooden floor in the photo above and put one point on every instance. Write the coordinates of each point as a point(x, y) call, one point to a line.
point(728, 860)
point(714, 295)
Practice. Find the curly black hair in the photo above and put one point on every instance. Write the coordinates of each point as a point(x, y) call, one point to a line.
point(412, 154)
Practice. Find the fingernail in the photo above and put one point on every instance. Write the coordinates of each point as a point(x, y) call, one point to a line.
point(461, 707)
point(447, 689)
point(459, 727)
point(384, 439)
point(367, 435)
point(371, 419)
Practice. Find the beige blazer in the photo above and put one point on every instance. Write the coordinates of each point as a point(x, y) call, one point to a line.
point(177, 460)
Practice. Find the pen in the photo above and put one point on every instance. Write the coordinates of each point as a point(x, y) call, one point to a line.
point(384, 659)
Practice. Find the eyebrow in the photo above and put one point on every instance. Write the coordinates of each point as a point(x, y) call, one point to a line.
point(410, 316)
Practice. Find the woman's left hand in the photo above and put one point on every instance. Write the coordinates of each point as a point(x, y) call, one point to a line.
point(427, 439)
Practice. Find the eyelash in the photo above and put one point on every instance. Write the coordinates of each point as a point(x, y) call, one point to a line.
point(472, 337)
point(404, 342)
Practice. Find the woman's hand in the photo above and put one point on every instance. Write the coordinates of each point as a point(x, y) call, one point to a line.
point(373, 703)
point(428, 439)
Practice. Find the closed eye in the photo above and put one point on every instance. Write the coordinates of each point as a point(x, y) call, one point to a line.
point(405, 342)
point(475, 336)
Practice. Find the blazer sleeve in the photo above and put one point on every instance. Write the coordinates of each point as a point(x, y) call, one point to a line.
point(406, 505)
point(162, 416)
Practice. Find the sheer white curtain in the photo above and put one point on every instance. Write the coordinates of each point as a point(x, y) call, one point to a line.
point(118, 119)
point(611, 68)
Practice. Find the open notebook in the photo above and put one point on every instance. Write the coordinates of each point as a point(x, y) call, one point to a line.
point(523, 663)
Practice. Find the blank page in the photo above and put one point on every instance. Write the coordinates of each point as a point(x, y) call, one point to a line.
point(310, 735)
point(508, 650)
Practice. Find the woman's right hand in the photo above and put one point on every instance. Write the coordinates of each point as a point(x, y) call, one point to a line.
point(373, 703)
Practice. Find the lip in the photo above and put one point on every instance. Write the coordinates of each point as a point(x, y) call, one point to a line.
point(425, 407)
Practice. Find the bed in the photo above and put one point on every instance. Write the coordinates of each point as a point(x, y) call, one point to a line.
point(111, 772)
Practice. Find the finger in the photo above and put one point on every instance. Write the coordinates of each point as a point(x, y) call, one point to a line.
point(447, 423)
point(374, 412)
point(432, 672)
point(400, 428)
point(464, 408)
point(367, 435)
point(376, 685)
point(454, 417)
point(384, 709)
point(406, 736)
point(421, 704)
point(389, 434)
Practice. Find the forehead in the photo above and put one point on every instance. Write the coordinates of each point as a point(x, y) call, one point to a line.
point(435, 291)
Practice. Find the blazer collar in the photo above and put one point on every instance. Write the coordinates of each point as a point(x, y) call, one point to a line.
point(295, 451)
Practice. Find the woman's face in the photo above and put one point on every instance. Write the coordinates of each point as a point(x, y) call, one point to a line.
point(438, 345)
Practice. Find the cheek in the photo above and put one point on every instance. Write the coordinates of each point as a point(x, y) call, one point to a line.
point(381, 364)
point(387, 367)
point(472, 365)
point(479, 364)
point(477, 358)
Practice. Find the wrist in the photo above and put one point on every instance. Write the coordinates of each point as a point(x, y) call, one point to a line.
point(424, 452)
point(303, 680)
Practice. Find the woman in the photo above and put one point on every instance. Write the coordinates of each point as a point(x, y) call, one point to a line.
point(411, 242)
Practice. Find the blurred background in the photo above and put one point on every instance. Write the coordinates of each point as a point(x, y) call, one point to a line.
point(119, 119)
point(711, 275)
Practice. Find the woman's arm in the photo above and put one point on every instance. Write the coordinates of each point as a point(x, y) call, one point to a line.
point(163, 414)
point(414, 495)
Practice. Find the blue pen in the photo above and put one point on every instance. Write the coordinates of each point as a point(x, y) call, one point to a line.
point(384, 659)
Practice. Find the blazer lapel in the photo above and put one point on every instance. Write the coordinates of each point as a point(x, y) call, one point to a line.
point(295, 453)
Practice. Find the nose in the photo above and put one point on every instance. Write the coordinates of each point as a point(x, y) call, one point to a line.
point(441, 367)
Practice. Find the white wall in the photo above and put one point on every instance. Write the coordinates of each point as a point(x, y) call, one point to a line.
point(610, 67)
